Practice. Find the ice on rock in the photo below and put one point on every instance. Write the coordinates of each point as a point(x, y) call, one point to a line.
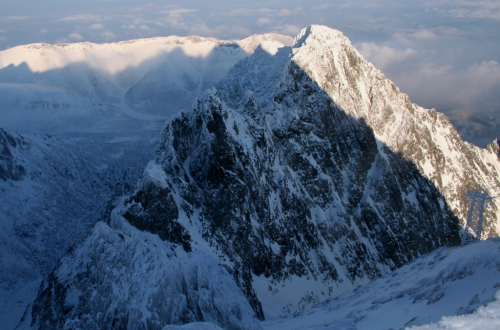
point(128, 278)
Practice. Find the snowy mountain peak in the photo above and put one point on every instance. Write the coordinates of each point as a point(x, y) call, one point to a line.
point(318, 32)
point(425, 137)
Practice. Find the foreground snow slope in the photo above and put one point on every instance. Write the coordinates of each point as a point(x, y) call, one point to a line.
point(446, 282)
point(485, 318)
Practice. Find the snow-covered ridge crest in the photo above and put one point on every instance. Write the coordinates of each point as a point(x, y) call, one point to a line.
point(156, 76)
point(113, 58)
point(424, 137)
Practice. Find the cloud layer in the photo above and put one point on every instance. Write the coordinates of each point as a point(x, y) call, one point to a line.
point(443, 53)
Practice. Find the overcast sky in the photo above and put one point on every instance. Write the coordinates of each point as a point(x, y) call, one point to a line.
point(445, 54)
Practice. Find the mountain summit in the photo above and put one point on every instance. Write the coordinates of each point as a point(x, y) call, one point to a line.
point(304, 174)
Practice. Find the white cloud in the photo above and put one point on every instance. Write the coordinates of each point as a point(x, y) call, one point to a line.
point(202, 30)
point(144, 27)
point(176, 19)
point(17, 18)
point(43, 31)
point(323, 6)
point(180, 11)
point(82, 17)
point(240, 31)
point(448, 87)
point(284, 12)
point(425, 34)
point(287, 29)
point(476, 80)
point(481, 9)
point(75, 36)
point(485, 9)
point(241, 12)
point(97, 26)
point(422, 34)
point(384, 57)
point(108, 36)
point(479, 13)
point(264, 21)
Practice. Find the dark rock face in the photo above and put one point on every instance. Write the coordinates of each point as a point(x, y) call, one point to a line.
point(9, 167)
point(312, 197)
point(157, 214)
point(302, 189)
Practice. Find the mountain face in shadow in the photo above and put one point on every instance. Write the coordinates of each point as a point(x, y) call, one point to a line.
point(180, 79)
point(10, 169)
point(426, 138)
point(303, 175)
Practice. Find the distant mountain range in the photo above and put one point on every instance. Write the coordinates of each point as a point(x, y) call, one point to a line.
point(71, 142)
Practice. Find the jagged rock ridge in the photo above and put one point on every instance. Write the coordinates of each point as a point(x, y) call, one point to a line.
point(423, 137)
point(129, 279)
